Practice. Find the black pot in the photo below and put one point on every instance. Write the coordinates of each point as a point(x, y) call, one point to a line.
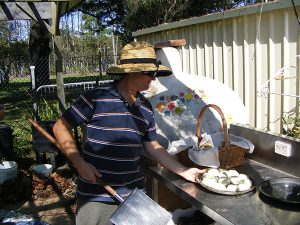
point(42, 146)
point(40, 143)
point(6, 142)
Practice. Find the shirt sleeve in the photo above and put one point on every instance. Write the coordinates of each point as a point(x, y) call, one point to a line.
point(81, 111)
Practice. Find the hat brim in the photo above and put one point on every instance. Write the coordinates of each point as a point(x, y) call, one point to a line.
point(139, 67)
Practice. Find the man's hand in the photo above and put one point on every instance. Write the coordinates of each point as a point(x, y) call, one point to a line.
point(191, 174)
point(157, 152)
point(87, 171)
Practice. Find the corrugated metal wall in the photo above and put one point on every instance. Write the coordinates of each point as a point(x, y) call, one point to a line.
point(244, 49)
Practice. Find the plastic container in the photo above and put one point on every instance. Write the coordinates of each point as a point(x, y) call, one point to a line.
point(8, 170)
point(43, 169)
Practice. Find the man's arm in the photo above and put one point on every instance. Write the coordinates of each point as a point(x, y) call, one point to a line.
point(158, 153)
point(63, 134)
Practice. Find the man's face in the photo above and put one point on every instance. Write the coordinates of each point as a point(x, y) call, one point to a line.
point(142, 81)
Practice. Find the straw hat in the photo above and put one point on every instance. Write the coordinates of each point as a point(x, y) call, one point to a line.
point(137, 57)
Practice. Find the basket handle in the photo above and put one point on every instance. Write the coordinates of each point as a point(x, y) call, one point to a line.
point(224, 124)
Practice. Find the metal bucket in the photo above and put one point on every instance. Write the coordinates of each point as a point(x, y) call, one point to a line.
point(8, 170)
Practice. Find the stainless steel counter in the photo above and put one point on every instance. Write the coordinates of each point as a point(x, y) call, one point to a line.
point(248, 209)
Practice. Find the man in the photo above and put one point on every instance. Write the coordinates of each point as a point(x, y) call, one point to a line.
point(120, 125)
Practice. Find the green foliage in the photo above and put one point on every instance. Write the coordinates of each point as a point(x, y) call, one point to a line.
point(292, 126)
point(108, 13)
point(11, 50)
point(48, 110)
point(144, 14)
point(90, 44)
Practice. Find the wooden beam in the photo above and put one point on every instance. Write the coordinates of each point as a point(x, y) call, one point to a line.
point(34, 15)
point(38, 11)
point(19, 9)
point(5, 12)
point(15, 11)
point(55, 18)
point(170, 43)
point(26, 10)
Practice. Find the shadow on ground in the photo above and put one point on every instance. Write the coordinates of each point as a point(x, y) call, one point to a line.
point(56, 209)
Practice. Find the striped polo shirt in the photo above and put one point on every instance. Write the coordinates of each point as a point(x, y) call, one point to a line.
point(115, 132)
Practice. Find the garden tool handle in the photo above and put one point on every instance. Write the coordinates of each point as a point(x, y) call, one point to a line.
point(109, 189)
point(53, 140)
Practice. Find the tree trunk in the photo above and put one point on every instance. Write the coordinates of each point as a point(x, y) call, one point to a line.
point(39, 41)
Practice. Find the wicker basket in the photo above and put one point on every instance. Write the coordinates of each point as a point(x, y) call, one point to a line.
point(229, 155)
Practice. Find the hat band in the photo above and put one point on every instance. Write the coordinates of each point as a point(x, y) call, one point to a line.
point(138, 60)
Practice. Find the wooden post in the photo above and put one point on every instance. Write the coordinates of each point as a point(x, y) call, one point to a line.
point(59, 76)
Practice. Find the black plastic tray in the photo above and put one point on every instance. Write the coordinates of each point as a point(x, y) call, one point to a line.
point(283, 189)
